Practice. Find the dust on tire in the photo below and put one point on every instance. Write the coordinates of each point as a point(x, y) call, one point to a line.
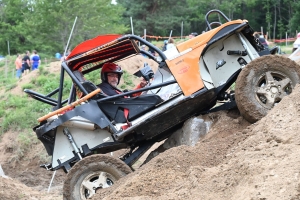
point(245, 91)
point(115, 167)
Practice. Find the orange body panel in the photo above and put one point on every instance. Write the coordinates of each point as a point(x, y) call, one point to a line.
point(186, 68)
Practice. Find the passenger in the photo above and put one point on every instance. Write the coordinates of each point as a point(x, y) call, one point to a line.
point(110, 76)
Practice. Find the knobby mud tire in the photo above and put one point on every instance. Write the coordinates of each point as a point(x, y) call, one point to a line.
point(248, 103)
point(92, 164)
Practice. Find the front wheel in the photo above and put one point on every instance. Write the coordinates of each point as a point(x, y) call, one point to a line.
point(93, 173)
point(263, 83)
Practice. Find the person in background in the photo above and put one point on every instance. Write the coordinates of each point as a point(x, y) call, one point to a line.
point(170, 44)
point(192, 35)
point(26, 63)
point(262, 39)
point(58, 56)
point(18, 63)
point(35, 60)
point(65, 55)
point(164, 48)
point(152, 52)
point(143, 47)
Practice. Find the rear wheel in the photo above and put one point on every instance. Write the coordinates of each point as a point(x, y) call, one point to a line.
point(91, 174)
point(263, 83)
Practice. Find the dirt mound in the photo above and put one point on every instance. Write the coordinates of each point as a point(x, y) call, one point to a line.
point(259, 162)
point(235, 160)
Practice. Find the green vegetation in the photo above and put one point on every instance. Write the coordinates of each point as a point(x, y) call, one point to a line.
point(127, 77)
point(160, 17)
point(46, 25)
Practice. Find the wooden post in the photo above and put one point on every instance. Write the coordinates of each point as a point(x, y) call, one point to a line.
point(181, 30)
point(6, 66)
point(8, 49)
point(131, 26)
point(170, 34)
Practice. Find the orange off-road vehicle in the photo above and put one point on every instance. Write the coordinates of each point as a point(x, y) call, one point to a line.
point(190, 80)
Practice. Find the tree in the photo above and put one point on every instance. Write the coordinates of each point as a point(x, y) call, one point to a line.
point(158, 17)
point(52, 21)
point(295, 25)
point(12, 14)
point(46, 25)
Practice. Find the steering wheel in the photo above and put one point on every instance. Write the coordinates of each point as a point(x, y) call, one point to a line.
point(213, 24)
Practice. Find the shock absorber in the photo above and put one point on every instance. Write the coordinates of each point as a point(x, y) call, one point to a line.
point(71, 140)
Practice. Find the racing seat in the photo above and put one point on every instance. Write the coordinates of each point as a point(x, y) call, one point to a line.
point(122, 110)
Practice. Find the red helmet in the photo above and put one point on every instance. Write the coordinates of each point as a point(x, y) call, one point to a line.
point(110, 68)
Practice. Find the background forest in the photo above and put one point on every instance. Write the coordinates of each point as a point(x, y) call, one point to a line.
point(45, 25)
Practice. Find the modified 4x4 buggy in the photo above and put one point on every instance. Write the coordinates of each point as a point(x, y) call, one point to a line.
point(190, 80)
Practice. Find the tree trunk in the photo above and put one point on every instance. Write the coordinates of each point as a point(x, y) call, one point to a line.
point(275, 19)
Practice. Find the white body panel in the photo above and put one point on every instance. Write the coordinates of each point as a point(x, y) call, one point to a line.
point(63, 149)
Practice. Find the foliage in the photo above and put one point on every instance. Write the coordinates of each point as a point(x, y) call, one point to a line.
point(275, 17)
point(46, 25)
point(94, 76)
point(295, 25)
point(19, 112)
point(128, 83)
point(158, 17)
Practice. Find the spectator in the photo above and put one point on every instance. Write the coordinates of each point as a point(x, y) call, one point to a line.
point(18, 64)
point(152, 52)
point(58, 56)
point(164, 48)
point(170, 44)
point(26, 63)
point(143, 47)
point(35, 60)
point(192, 35)
point(65, 55)
point(262, 40)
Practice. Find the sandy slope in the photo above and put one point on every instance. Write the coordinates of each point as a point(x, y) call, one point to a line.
point(234, 161)
point(259, 162)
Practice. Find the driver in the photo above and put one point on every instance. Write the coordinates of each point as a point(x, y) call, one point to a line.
point(110, 76)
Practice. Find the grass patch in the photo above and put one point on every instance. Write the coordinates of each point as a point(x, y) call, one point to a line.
point(10, 86)
point(21, 112)
point(27, 86)
point(128, 83)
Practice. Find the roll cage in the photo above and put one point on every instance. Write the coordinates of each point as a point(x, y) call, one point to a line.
point(91, 55)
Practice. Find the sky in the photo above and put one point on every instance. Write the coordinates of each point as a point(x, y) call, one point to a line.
point(113, 1)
